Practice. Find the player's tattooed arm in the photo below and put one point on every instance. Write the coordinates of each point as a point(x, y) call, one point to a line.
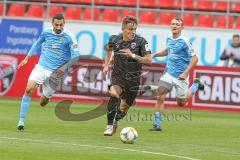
point(146, 59)
point(160, 54)
point(109, 50)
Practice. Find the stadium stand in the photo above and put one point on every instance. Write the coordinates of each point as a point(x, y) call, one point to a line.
point(196, 13)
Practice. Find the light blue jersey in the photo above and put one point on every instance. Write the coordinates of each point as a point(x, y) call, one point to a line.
point(179, 52)
point(57, 49)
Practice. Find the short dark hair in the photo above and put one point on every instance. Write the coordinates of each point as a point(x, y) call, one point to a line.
point(236, 36)
point(129, 19)
point(58, 16)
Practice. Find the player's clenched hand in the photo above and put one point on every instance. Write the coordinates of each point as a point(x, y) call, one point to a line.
point(105, 71)
point(23, 62)
point(59, 73)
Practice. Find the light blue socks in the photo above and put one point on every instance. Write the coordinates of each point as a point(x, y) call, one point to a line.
point(24, 108)
point(157, 119)
point(193, 89)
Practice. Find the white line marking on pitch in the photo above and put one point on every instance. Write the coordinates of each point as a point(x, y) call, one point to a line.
point(96, 146)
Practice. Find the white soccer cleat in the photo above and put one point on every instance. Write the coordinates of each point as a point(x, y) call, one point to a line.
point(110, 130)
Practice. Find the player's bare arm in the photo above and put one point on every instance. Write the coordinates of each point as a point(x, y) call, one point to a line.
point(160, 54)
point(192, 64)
point(24, 61)
point(107, 60)
point(147, 59)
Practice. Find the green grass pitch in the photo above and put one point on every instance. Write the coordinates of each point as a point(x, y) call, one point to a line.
point(196, 135)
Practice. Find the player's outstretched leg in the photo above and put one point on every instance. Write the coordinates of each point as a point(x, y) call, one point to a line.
point(26, 99)
point(197, 85)
point(113, 105)
point(159, 107)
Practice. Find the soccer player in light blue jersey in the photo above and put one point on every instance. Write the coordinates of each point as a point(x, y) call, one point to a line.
point(58, 47)
point(181, 60)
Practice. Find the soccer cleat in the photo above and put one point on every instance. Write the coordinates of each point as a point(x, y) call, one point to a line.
point(20, 126)
point(200, 84)
point(110, 130)
point(155, 128)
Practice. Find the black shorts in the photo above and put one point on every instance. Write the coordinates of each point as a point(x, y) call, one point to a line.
point(126, 85)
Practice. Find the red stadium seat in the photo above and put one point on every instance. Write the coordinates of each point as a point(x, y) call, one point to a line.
point(188, 19)
point(16, 10)
point(1, 9)
point(85, 1)
point(107, 2)
point(220, 6)
point(87, 14)
point(73, 13)
point(126, 12)
point(54, 10)
point(110, 15)
point(36, 11)
point(148, 17)
point(166, 17)
point(188, 4)
point(148, 3)
point(166, 3)
point(222, 21)
point(235, 7)
point(205, 20)
point(237, 24)
point(70, 1)
point(127, 2)
point(204, 5)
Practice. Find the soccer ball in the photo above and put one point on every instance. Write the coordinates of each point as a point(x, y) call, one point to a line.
point(128, 135)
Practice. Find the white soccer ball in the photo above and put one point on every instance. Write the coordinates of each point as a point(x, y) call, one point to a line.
point(128, 135)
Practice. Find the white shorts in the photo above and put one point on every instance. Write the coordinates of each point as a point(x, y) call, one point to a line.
point(40, 75)
point(181, 86)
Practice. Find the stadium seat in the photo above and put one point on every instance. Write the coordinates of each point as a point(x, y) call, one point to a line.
point(205, 20)
point(110, 15)
point(73, 13)
point(127, 2)
point(36, 11)
point(16, 10)
point(235, 7)
point(54, 10)
point(220, 6)
point(87, 14)
point(70, 1)
point(222, 21)
point(1, 9)
point(107, 2)
point(148, 3)
point(188, 19)
point(85, 1)
point(166, 4)
point(148, 17)
point(188, 4)
point(166, 17)
point(127, 12)
point(204, 5)
point(237, 24)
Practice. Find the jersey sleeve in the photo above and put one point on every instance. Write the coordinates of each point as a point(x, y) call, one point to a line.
point(144, 49)
point(110, 43)
point(74, 49)
point(190, 48)
point(37, 44)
